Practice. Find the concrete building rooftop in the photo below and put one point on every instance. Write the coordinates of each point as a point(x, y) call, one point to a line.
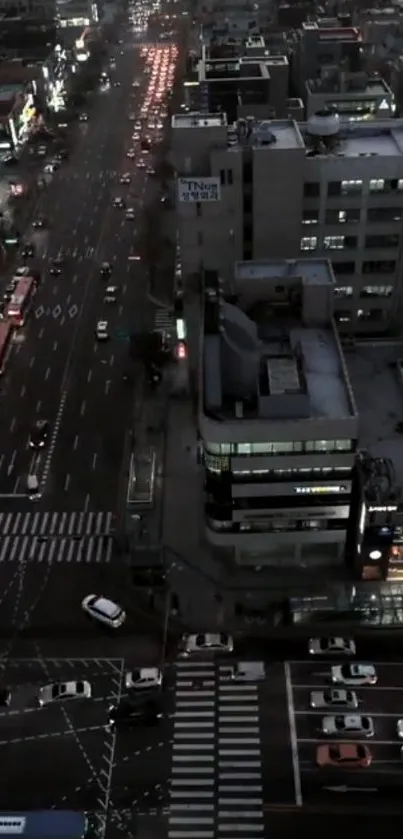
point(375, 86)
point(281, 134)
point(198, 120)
point(314, 271)
point(265, 357)
point(377, 382)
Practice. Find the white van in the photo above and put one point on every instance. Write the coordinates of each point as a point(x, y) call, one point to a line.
point(248, 671)
point(33, 488)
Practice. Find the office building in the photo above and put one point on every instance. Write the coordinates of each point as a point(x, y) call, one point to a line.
point(355, 96)
point(276, 190)
point(277, 419)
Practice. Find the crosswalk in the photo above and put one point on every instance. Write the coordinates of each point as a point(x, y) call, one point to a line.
point(163, 321)
point(216, 788)
point(55, 524)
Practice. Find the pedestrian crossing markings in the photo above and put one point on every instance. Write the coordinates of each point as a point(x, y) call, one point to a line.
point(55, 524)
point(216, 785)
point(31, 549)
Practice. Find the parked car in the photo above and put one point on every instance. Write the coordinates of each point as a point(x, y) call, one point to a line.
point(343, 756)
point(331, 646)
point(207, 642)
point(59, 691)
point(353, 675)
point(144, 678)
point(333, 697)
point(357, 725)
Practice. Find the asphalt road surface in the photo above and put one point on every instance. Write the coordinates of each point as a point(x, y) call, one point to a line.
point(58, 370)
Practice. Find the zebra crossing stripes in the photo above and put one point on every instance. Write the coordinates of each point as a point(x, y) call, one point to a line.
point(163, 321)
point(192, 789)
point(240, 776)
point(34, 549)
point(216, 789)
point(55, 524)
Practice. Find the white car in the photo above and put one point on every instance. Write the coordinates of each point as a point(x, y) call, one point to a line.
point(131, 153)
point(331, 646)
point(207, 642)
point(64, 690)
point(143, 677)
point(348, 726)
point(125, 178)
point(102, 331)
point(110, 294)
point(117, 202)
point(332, 697)
point(399, 729)
point(353, 675)
point(104, 610)
point(22, 271)
point(130, 215)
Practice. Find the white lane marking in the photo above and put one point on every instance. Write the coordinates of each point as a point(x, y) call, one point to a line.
point(293, 736)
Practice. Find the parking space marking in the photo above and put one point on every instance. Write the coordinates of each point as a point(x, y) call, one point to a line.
point(47, 735)
point(344, 713)
point(114, 663)
point(293, 735)
point(322, 741)
point(332, 661)
point(371, 688)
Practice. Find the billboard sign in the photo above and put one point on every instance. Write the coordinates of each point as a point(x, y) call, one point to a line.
point(199, 190)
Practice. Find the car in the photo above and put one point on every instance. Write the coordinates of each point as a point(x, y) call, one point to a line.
point(49, 169)
point(110, 294)
point(130, 214)
point(22, 271)
point(140, 164)
point(129, 713)
point(125, 178)
point(106, 269)
point(332, 697)
point(150, 170)
point(136, 83)
point(10, 288)
point(143, 678)
point(64, 690)
point(83, 117)
point(56, 266)
point(207, 642)
point(42, 151)
point(104, 610)
point(353, 675)
point(5, 697)
point(39, 222)
point(132, 116)
point(348, 725)
point(28, 250)
point(39, 434)
point(331, 646)
point(117, 84)
point(131, 153)
point(33, 487)
point(343, 756)
point(117, 202)
point(101, 330)
point(399, 729)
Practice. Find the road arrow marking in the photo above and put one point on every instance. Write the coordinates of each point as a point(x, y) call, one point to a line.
point(345, 788)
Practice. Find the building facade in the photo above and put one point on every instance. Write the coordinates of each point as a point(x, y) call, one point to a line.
point(276, 190)
point(277, 419)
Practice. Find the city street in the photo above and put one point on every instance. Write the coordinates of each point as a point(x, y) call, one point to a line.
point(58, 371)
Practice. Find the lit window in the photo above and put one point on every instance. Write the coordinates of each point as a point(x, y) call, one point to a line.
point(376, 185)
point(400, 184)
point(310, 217)
point(343, 291)
point(309, 243)
point(334, 243)
point(376, 291)
point(350, 187)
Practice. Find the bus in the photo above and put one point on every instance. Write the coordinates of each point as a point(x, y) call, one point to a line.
point(6, 337)
point(17, 308)
point(44, 824)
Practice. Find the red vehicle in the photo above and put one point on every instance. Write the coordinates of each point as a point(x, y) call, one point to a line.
point(17, 308)
point(6, 336)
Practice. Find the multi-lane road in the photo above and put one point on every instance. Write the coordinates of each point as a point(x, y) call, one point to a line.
point(58, 371)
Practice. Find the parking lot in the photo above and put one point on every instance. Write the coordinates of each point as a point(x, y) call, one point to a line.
point(64, 756)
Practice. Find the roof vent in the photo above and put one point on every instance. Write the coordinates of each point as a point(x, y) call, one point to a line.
point(325, 123)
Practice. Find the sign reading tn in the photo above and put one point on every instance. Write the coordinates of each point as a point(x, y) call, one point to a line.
point(199, 190)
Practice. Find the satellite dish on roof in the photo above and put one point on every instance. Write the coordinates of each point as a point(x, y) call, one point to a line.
point(325, 123)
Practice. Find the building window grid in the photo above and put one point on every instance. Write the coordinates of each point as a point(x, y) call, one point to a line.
point(334, 243)
point(279, 448)
point(351, 187)
point(376, 291)
point(377, 185)
point(343, 291)
point(309, 243)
